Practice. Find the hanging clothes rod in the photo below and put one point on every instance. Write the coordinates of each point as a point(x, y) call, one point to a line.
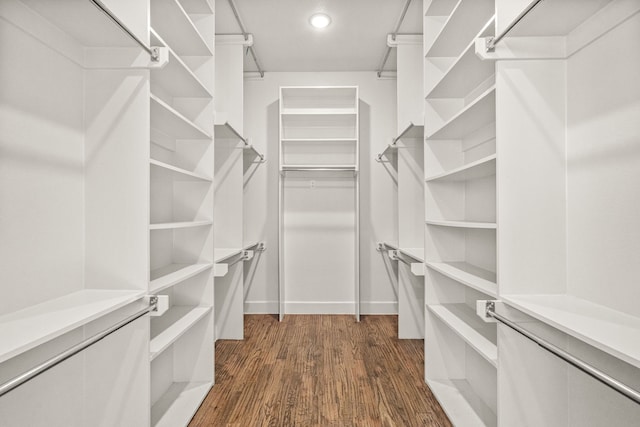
point(61, 357)
point(244, 257)
point(493, 41)
point(319, 169)
point(153, 51)
point(593, 372)
point(246, 36)
point(252, 148)
point(393, 35)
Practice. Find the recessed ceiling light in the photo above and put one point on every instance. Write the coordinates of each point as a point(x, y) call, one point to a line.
point(320, 20)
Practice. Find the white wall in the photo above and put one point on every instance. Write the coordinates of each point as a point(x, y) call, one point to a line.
point(378, 191)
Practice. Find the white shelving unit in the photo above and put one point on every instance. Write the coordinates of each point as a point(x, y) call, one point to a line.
point(74, 190)
point(235, 160)
point(319, 154)
point(181, 210)
point(460, 223)
point(405, 153)
point(568, 236)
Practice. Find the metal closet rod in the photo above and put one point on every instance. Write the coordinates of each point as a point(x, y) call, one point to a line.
point(397, 257)
point(153, 51)
point(61, 357)
point(493, 41)
point(593, 372)
point(246, 36)
point(393, 34)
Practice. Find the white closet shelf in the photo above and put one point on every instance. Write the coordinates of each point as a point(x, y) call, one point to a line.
point(463, 224)
point(172, 274)
point(181, 174)
point(475, 170)
point(223, 254)
point(176, 78)
point(454, 35)
point(319, 111)
point(611, 331)
point(25, 329)
point(171, 20)
point(468, 274)
point(179, 403)
point(226, 130)
point(462, 320)
point(93, 29)
point(414, 253)
point(167, 120)
point(467, 72)
point(476, 114)
point(461, 404)
point(179, 224)
point(168, 328)
point(567, 16)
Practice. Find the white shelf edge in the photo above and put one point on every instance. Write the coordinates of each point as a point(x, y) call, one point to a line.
point(179, 224)
point(179, 403)
point(468, 279)
point(177, 276)
point(188, 317)
point(467, 167)
point(470, 48)
point(467, 332)
point(319, 139)
point(178, 115)
point(191, 25)
point(609, 330)
point(462, 112)
point(461, 404)
point(463, 224)
point(180, 171)
point(50, 319)
point(319, 112)
point(174, 55)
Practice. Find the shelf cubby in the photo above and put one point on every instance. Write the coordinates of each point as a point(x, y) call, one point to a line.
point(168, 328)
point(462, 320)
point(178, 173)
point(170, 122)
point(455, 123)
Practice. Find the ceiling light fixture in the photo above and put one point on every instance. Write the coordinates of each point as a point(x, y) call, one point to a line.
point(320, 20)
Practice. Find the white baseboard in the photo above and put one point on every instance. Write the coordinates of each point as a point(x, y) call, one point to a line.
point(261, 307)
point(321, 307)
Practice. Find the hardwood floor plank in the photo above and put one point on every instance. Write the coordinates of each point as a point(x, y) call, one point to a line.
point(324, 371)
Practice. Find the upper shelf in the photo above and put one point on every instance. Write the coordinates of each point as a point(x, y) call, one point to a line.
point(176, 78)
point(83, 21)
point(460, 27)
point(25, 329)
point(474, 170)
point(478, 113)
point(170, 20)
point(318, 111)
point(466, 72)
point(551, 17)
point(609, 330)
point(462, 224)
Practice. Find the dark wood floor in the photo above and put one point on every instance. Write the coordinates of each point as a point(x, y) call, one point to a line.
point(320, 371)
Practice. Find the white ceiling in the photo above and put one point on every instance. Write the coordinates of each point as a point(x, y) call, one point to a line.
point(285, 41)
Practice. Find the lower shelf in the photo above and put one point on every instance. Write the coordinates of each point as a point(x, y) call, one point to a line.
point(179, 403)
point(172, 274)
point(461, 404)
point(464, 322)
point(468, 274)
point(166, 329)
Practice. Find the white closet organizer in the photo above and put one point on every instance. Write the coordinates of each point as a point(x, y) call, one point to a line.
point(319, 155)
point(568, 202)
point(74, 191)
point(234, 158)
point(409, 161)
point(181, 209)
point(460, 210)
